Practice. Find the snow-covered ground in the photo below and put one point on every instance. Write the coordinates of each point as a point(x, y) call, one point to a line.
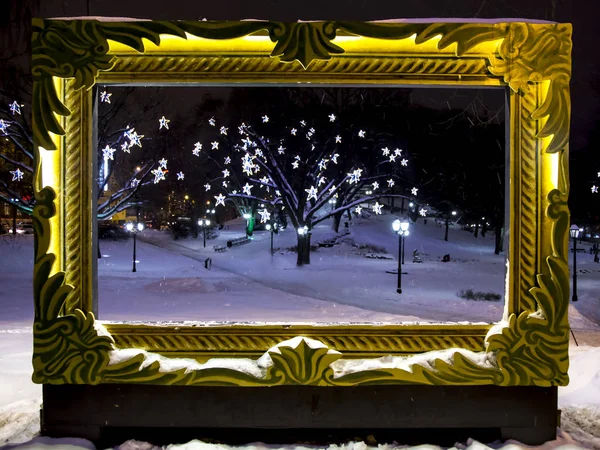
point(172, 284)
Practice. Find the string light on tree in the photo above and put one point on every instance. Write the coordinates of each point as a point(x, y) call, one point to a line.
point(312, 193)
point(17, 175)
point(377, 208)
point(135, 182)
point(398, 152)
point(332, 117)
point(225, 173)
point(281, 149)
point(207, 187)
point(293, 131)
point(386, 151)
point(105, 97)
point(212, 122)
point(295, 164)
point(265, 216)
point(197, 149)
point(391, 183)
point(108, 153)
point(323, 164)
point(158, 175)
point(15, 108)
point(361, 134)
point(225, 183)
point(247, 189)
point(125, 147)
point(321, 181)
point(393, 158)
point(375, 185)
point(414, 191)
point(265, 118)
point(334, 158)
point(180, 176)
point(264, 180)
point(355, 176)
point(223, 130)
point(214, 145)
point(4, 126)
point(163, 122)
point(303, 123)
point(338, 139)
point(423, 212)
point(135, 139)
point(163, 163)
point(404, 162)
point(220, 200)
point(594, 189)
point(358, 210)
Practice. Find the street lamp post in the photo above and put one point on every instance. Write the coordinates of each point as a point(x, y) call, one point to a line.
point(136, 228)
point(401, 229)
point(272, 228)
point(247, 217)
point(204, 224)
point(574, 231)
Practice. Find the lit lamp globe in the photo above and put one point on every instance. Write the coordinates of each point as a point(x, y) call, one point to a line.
point(404, 226)
point(129, 227)
point(140, 226)
point(574, 231)
point(246, 216)
point(396, 225)
point(268, 226)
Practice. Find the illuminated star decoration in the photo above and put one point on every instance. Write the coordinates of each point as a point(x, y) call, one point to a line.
point(105, 97)
point(264, 180)
point(414, 191)
point(126, 147)
point(404, 162)
point(135, 182)
point(321, 181)
point(180, 176)
point(158, 174)
point(15, 108)
point(332, 117)
point(358, 210)
point(312, 193)
point(4, 126)
point(295, 164)
point(303, 123)
point(247, 189)
point(594, 189)
point(223, 130)
point(265, 118)
point(163, 122)
point(207, 187)
point(323, 164)
point(355, 176)
point(334, 158)
point(361, 134)
point(212, 122)
point(265, 216)
point(281, 149)
point(227, 160)
point(220, 200)
point(234, 192)
point(163, 163)
point(135, 139)
point(17, 175)
point(215, 145)
point(108, 153)
point(397, 152)
point(423, 212)
point(391, 183)
point(598, 174)
point(386, 151)
point(293, 131)
point(393, 158)
point(377, 208)
point(225, 183)
point(338, 139)
point(375, 185)
point(197, 148)
point(225, 173)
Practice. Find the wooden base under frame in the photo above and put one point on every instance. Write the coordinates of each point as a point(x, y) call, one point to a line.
point(109, 414)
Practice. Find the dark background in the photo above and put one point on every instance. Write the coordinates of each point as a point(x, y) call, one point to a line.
point(15, 16)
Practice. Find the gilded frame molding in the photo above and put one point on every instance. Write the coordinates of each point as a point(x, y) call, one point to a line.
point(529, 347)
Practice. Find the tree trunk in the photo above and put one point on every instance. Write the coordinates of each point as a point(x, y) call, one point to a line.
point(337, 218)
point(483, 229)
point(476, 233)
point(14, 220)
point(446, 235)
point(303, 250)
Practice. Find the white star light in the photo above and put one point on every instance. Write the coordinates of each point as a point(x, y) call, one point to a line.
point(163, 163)
point(197, 148)
point(264, 180)
point(414, 191)
point(281, 149)
point(423, 212)
point(105, 97)
point(303, 123)
point(393, 158)
point(215, 145)
point(158, 174)
point(4, 126)
point(295, 164)
point(234, 192)
point(17, 175)
point(225, 183)
point(225, 173)
point(15, 108)
point(321, 181)
point(358, 210)
point(212, 122)
point(312, 193)
point(390, 183)
point(108, 153)
point(135, 182)
point(223, 130)
point(355, 176)
point(227, 160)
point(594, 189)
point(338, 139)
point(332, 117)
point(397, 152)
point(247, 188)
point(207, 187)
point(180, 175)
point(404, 162)
point(386, 151)
point(311, 131)
point(265, 216)
point(220, 200)
point(377, 208)
point(361, 134)
point(265, 118)
point(334, 158)
point(125, 147)
point(163, 122)
point(323, 164)
point(135, 139)
point(375, 185)
point(332, 190)
point(598, 174)
point(293, 131)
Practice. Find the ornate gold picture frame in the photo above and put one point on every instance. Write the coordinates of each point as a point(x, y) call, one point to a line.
point(533, 62)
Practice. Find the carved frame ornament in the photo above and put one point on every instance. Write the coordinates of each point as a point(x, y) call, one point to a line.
point(529, 347)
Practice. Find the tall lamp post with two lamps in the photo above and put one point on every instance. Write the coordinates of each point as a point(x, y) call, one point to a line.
point(574, 231)
point(134, 228)
point(400, 227)
point(204, 224)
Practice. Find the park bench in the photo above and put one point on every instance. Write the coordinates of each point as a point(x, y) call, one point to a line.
point(219, 248)
point(237, 241)
point(579, 250)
